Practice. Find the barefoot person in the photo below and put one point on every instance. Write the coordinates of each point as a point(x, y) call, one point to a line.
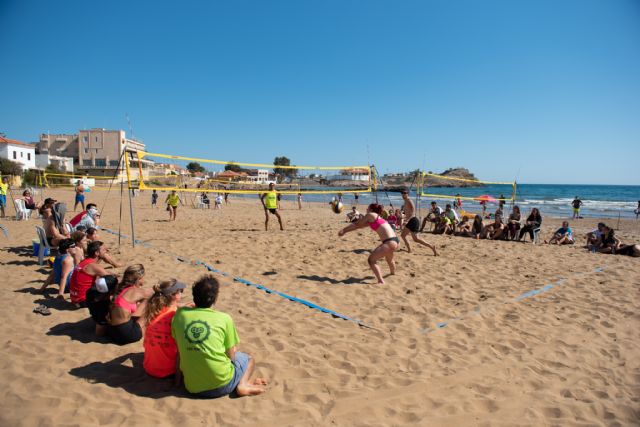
point(207, 343)
point(79, 195)
point(269, 202)
point(62, 267)
point(412, 224)
point(390, 241)
point(172, 201)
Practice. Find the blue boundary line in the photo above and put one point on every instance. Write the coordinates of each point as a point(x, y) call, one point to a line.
point(529, 294)
point(245, 282)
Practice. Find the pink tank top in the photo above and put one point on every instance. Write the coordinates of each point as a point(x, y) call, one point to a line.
point(377, 223)
point(131, 307)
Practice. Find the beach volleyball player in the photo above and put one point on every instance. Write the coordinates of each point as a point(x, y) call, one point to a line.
point(390, 241)
point(270, 204)
point(412, 224)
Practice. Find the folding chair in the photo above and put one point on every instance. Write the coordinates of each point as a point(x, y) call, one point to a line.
point(22, 213)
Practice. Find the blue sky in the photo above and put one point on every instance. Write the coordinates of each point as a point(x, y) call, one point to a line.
point(548, 91)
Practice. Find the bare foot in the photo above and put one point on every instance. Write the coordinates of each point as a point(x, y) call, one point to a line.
point(258, 382)
point(435, 253)
point(249, 390)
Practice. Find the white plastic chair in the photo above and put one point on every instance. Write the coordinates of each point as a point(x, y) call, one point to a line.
point(199, 203)
point(22, 213)
point(42, 236)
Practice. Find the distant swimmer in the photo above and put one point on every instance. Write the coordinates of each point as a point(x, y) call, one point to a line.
point(412, 224)
point(390, 242)
point(576, 207)
point(637, 211)
point(269, 202)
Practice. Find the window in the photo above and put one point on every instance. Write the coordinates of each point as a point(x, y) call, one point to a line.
point(96, 139)
point(101, 162)
point(29, 156)
point(15, 155)
point(21, 154)
point(85, 139)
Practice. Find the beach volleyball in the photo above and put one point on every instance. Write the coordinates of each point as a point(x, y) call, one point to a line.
point(337, 207)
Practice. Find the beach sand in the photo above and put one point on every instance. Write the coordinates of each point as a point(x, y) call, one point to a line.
point(569, 355)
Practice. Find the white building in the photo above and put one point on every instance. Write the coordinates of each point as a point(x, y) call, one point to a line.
point(64, 164)
point(19, 152)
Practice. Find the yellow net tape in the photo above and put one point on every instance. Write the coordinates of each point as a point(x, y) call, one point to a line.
point(143, 186)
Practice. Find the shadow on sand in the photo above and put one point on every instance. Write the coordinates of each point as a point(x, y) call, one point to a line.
point(347, 281)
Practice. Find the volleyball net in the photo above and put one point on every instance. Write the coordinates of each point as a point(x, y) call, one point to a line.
point(162, 172)
point(456, 188)
point(70, 180)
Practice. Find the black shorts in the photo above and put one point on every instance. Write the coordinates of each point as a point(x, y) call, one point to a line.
point(391, 239)
point(413, 225)
point(273, 211)
point(126, 333)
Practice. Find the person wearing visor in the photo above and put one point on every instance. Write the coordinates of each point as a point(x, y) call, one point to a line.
point(160, 350)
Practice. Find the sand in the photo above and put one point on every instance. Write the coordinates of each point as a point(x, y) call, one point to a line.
point(569, 355)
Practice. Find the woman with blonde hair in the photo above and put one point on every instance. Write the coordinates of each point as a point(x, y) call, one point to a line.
point(160, 350)
point(125, 315)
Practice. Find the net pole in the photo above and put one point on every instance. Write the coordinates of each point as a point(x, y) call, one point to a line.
point(133, 228)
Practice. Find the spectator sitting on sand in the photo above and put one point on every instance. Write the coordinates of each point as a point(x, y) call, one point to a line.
point(495, 230)
point(563, 235)
point(125, 315)
point(99, 300)
point(354, 215)
point(92, 235)
point(594, 237)
point(86, 273)
point(207, 344)
point(160, 349)
point(464, 227)
point(513, 223)
point(62, 267)
point(433, 215)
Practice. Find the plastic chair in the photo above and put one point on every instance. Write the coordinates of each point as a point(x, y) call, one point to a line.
point(199, 203)
point(42, 236)
point(22, 213)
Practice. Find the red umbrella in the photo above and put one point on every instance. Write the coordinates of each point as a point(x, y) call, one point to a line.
point(485, 198)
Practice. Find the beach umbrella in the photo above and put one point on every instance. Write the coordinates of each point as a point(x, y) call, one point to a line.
point(485, 198)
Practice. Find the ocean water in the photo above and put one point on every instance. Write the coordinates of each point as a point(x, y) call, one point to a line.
point(605, 201)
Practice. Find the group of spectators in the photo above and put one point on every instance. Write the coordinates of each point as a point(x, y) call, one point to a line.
point(193, 343)
point(514, 227)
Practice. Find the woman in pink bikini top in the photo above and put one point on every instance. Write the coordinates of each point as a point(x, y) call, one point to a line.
point(390, 242)
point(125, 324)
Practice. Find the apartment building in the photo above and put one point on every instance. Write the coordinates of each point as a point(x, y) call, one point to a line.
point(94, 151)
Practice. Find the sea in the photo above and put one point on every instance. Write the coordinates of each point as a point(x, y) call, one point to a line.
point(554, 200)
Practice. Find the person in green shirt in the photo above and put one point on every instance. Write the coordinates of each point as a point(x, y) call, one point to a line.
point(207, 343)
point(4, 187)
point(270, 204)
point(172, 201)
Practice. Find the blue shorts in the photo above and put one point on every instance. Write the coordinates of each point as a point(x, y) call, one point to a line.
point(3, 201)
point(241, 363)
point(79, 198)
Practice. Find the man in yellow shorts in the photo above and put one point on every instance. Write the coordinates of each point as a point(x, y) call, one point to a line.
point(270, 204)
point(172, 201)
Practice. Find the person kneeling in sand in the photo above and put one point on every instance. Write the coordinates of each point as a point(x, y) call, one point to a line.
point(390, 241)
point(207, 343)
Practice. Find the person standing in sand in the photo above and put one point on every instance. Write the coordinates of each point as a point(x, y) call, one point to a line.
point(412, 224)
point(576, 207)
point(390, 242)
point(269, 202)
point(172, 201)
point(4, 188)
point(79, 195)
